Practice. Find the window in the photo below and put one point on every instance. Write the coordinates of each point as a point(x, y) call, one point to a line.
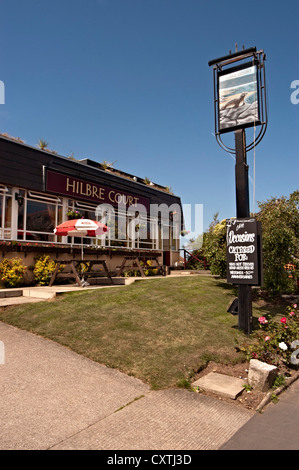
point(5, 212)
point(33, 216)
point(87, 211)
point(38, 215)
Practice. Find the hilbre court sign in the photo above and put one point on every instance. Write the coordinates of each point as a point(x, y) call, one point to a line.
point(79, 188)
point(243, 242)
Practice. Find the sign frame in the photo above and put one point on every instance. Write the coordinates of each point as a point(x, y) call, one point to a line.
point(237, 100)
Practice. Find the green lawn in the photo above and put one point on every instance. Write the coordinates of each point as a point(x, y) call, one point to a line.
point(159, 330)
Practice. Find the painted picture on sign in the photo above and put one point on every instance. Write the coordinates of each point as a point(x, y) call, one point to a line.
point(238, 98)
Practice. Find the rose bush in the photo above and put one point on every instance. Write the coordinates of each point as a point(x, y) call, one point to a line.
point(274, 341)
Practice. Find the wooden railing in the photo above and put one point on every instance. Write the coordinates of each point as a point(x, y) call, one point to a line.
point(203, 262)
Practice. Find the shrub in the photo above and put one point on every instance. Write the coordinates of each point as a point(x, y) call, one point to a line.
point(73, 214)
point(214, 247)
point(12, 272)
point(280, 235)
point(43, 270)
point(276, 340)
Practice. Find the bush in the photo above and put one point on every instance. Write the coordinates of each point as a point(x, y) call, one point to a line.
point(214, 247)
point(280, 235)
point(275, 341)
point(12, 272)
point(43, 270)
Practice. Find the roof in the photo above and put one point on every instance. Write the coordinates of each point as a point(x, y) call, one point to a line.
point(104, 166)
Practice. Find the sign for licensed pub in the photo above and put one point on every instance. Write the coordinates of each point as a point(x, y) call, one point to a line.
point(243, 251)
point(238, 97)
point(77, 188)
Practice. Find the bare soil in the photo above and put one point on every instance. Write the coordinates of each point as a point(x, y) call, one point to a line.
point(247, 399)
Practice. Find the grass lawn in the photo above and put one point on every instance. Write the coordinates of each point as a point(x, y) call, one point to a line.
point(159, 330)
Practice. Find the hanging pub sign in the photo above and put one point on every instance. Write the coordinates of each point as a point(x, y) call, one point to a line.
point(243, 251)
point(238, 97)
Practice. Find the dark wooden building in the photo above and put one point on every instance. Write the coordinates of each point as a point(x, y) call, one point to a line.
point(40, 189)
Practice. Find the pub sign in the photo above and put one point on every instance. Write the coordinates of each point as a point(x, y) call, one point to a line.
point(243, 251)
point(238, 97)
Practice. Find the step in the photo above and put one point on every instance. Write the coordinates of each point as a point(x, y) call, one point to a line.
point(189, 272)
point(10, 293)
point(178, 272)
point(39, 293)
point(117, 281)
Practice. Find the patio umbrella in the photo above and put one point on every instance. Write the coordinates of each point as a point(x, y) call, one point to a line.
point(81, 228)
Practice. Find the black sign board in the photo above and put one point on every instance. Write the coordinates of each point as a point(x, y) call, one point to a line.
point(243, 251)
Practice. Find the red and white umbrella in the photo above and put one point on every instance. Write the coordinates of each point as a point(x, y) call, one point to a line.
point(81, 228)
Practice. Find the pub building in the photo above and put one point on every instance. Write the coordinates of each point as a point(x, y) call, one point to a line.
point(40, 189)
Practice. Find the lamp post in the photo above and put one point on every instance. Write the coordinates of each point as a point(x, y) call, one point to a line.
point(239, 103)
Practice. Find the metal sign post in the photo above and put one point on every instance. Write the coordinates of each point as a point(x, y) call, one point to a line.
point(242, 202)
point(239, 103)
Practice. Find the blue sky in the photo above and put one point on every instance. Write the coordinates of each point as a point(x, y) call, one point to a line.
point(128, 81)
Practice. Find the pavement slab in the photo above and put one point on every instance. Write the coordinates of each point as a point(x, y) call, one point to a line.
point(49, 392)
point(221, 384)
point(163, 420)
point(10, 301)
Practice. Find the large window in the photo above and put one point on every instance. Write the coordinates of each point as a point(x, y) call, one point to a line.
point(5, 212)
point(87, 211)
point(38, 215)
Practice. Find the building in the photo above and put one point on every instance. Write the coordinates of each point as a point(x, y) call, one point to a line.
point(40, 189)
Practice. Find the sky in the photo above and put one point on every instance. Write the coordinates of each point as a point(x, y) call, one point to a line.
point(128, 81)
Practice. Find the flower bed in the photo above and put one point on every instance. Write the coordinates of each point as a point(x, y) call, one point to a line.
point(276, 342)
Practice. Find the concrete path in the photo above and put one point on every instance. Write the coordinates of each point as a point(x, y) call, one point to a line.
point(52, 398)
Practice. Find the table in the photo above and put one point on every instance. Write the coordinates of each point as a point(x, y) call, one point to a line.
point(137, 259)
point(74, 270)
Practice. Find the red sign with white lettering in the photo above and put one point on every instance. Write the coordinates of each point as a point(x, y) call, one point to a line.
point(81, 189)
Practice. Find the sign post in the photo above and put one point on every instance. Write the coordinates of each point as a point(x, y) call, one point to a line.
point(240, 102)
point(242, 202)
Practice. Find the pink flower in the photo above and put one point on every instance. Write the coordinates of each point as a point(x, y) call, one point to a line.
point(283, 320)
point(267, 338)
point(254, 355)
point(263, 320)
point(295, 305)
point(292, 313)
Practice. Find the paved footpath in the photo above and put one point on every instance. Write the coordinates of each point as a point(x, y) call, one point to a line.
point(53, 398)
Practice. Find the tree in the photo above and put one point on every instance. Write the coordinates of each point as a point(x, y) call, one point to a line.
point(214, 247)
point(280, 236)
